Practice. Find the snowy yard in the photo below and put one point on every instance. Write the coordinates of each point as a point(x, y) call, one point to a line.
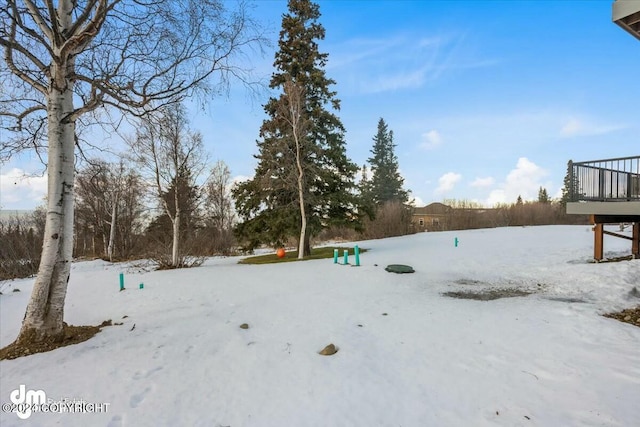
point(408, 355)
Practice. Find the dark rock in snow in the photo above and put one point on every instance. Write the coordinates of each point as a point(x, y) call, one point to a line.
point(329, 350)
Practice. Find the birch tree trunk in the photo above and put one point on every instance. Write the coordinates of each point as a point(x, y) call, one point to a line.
point(44, 315)
point(175, 252)
point(105, 243)
point(113, 225)
point(303, 216)
point(293, 114)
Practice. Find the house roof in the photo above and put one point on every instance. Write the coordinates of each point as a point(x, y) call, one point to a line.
point(432, 209)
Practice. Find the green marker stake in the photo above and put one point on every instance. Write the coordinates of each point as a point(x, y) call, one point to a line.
point(122, 281)
point(346, 256)
point(455, 242)
point(335, 256)
point(141, 285)
point(356, 251)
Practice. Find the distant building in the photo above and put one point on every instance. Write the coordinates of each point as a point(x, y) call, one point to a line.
point(433, 217)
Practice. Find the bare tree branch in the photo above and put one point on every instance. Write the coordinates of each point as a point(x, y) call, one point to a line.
point(133, 55)
point(39, 19)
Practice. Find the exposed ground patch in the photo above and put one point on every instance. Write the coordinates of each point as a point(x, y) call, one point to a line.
point(567, 299)
point(629, 315)
point(71, 335)
point(484, 291)
point(613, 259)
point(488, 294)
point(470, 282)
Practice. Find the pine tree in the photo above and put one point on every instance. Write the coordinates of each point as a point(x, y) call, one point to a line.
point(567, 191)
point(367, 204)
point(270, 203)
point(161, 227)
point(543, 196)
point(386, 182)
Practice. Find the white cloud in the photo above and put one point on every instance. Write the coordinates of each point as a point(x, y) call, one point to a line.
point(363, 49)
point(571, 128)
point(447, 182)
point(393, 81)
point(431, 140)
point(429, 41)
point(483, 182)
point(417, 201)
point(402, 61)
point(580, 127)
point(525, 181)
point(21, 191)
point(239, 178)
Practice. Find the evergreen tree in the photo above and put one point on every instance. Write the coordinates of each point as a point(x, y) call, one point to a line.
point(386, 182)
point(367, 203)
point(567, 191)
point(543, 196)
point(270, 203)
point(161, 227)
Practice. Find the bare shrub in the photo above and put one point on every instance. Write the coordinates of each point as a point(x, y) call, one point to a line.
point(213, 241)
point(162, 254)
point(336, 234)
point(466, 214)
point(392, 219)
point(20, 246)
point(536, 213)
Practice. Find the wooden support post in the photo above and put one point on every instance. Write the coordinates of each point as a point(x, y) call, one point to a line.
point(635, 242)
point(598, 243)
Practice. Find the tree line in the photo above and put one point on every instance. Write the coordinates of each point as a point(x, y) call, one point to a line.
point(470, 215)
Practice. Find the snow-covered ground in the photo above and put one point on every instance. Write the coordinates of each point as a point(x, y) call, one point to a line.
point(408, 355)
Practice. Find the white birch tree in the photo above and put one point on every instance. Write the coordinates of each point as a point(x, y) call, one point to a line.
point(292, 109)
point(64, 59)
point(117, 182)
point(173, 156)
point(218, 211)
point(104, 192)
point(219, 205)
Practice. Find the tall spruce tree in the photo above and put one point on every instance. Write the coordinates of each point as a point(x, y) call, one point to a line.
point(187, 199)
point(367, 204)
point(543, 196)
point(270, 203)
point(386, 182)
point(571, 187)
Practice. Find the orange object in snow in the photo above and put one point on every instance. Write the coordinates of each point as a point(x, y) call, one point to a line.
point(280, 253)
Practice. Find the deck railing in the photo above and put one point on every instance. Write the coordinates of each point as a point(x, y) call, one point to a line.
point(609, 180)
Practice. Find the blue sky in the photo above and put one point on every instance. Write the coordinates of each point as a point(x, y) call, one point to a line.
point(487, 100)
